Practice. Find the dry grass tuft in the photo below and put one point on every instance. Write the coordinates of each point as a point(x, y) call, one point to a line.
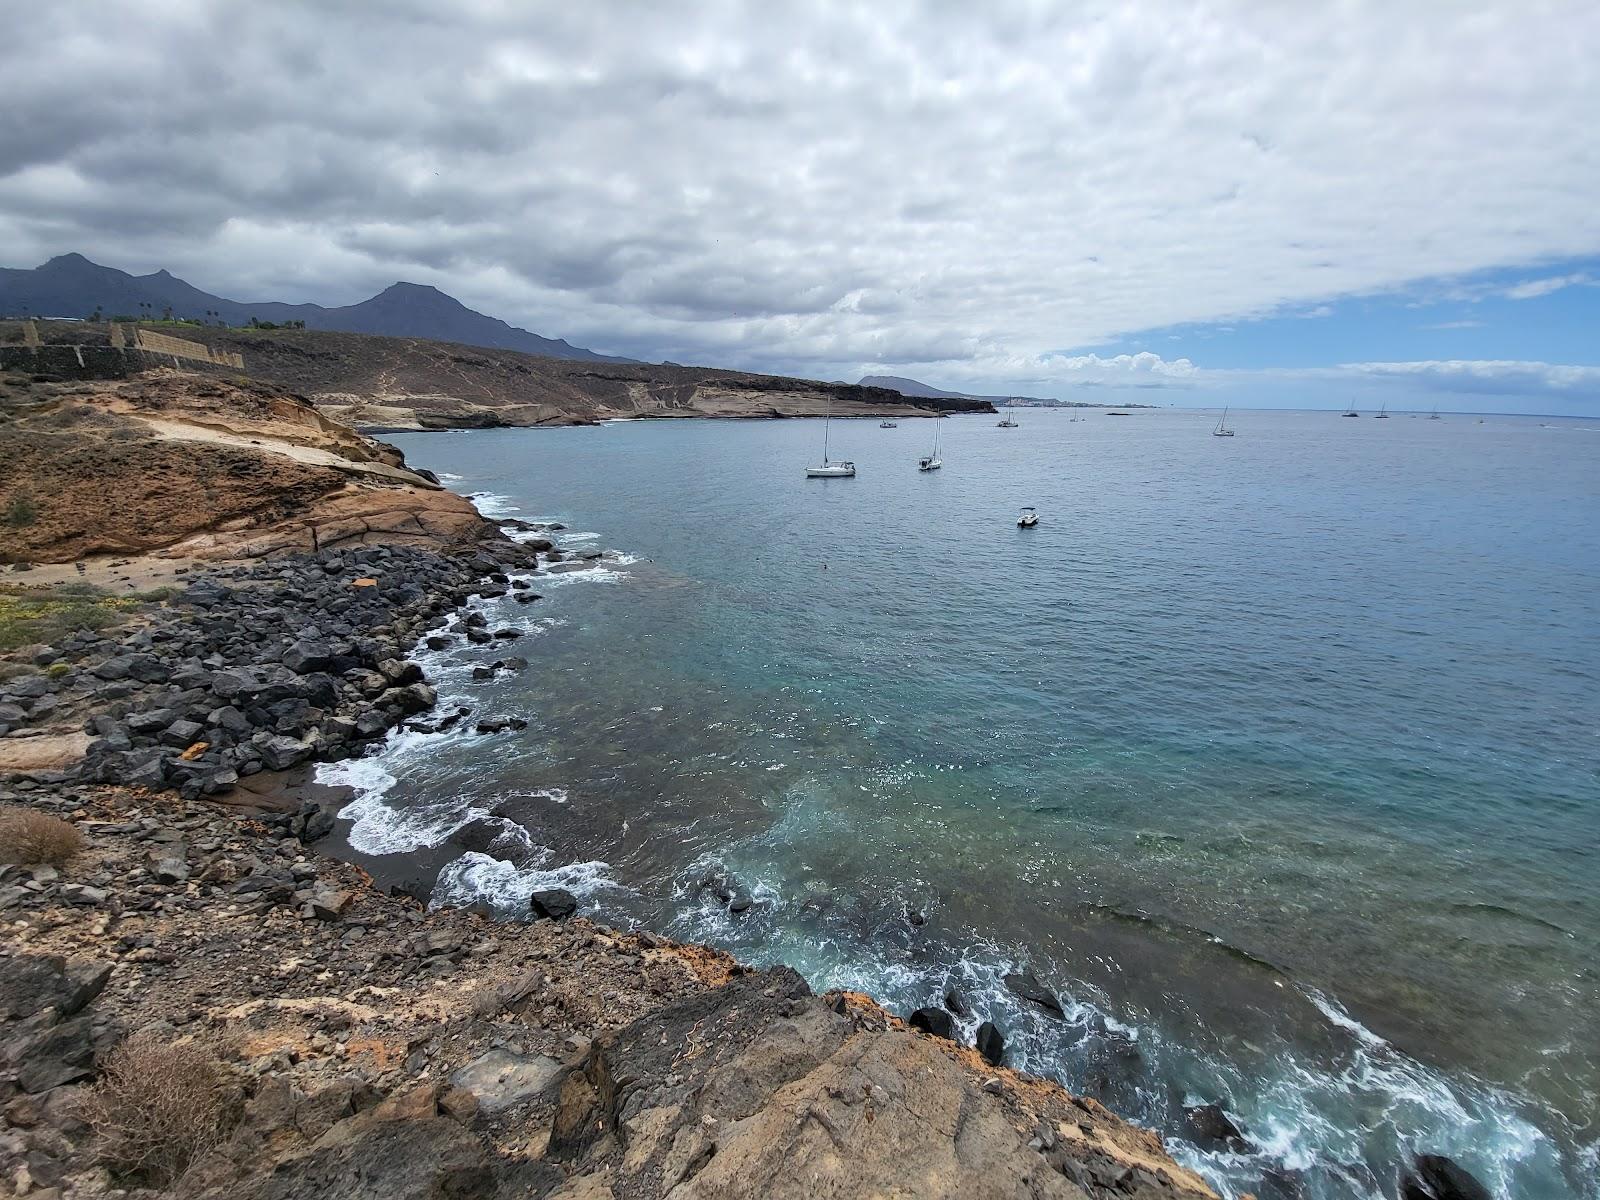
point(30, 836)
point(159, 1106)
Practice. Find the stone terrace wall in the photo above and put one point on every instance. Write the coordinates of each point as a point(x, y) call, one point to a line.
point(95, 362)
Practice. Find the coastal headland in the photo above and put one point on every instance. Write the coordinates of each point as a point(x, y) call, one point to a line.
point(398, 384)
point(199, 1001)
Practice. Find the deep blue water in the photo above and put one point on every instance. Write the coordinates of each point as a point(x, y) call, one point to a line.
point(1279, 755)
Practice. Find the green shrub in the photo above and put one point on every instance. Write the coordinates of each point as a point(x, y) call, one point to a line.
point(22, 511)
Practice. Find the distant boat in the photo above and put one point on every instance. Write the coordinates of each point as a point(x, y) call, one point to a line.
point(1435, 416)
point(829, 469)
point(1222, 429)
point(888, 425)
point(1028, 519)
point(1006, 423)
point(1352, 413)
point(931, 462)
point(1383, 413)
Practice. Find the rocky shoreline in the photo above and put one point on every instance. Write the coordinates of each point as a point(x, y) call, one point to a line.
point(361, 1035)
point(194, 945)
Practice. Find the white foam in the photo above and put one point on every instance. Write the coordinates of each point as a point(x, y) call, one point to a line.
point(492, 504)
point(1342, 1019)
point(475, 876)
point(449, 475)
point(584, 575)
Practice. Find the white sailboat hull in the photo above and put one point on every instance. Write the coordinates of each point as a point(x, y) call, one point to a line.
point(831, 470)
point(929, 464)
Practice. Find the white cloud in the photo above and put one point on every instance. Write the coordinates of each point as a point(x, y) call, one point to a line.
point(810, 188)
point(1532, 288)
point(1486, 375)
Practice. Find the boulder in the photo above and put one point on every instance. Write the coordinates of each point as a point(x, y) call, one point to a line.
point(935, 1021)
point(1210, 1128)
point(305, 657)
point(1026, 984)
point(280, 752)
point(1435, 1177)
point(555, 904)
point(991, 1043)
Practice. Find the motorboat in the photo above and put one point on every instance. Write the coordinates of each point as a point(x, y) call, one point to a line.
point(888, 425)
point(1028, 519)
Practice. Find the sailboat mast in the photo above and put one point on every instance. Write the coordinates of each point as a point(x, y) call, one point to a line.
point(826, 421)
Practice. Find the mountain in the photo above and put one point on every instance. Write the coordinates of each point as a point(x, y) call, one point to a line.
point(915, 387)
point(72, 286)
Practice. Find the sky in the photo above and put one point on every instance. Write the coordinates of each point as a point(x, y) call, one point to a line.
point(1275, 202)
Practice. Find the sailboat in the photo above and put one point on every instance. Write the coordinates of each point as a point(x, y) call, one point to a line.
point(1435, 416)
point(1005, 421)
point(1383, 413)
point(1352, 413)
point(931, 462)
point(1222, 429)
point(829, 469)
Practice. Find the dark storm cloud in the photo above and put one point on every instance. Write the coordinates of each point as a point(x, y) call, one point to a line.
point(815, 188)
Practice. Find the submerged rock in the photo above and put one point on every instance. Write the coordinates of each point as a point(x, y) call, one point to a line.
point(1026, 984)
point(1209, 1127)
point(1435, 1177)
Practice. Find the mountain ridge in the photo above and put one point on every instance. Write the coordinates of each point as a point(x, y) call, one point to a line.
point(71, 285)
point(915, 387)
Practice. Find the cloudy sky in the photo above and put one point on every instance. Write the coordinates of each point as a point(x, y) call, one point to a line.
point(1267, 197)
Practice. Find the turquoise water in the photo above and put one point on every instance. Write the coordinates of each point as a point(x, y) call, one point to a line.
point(1279, 755)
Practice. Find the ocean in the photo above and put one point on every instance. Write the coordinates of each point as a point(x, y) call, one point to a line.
point(1277, 757)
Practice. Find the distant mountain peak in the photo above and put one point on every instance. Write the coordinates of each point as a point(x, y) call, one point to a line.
point(72, 285)
point(74, 263)
point(402, 287)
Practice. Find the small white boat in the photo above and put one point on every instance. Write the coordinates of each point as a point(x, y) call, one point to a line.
point(888, 425)
point(1028, 519)
point(931, 462)
point(1222, 429)
point(1006, 423)
point(830, 468)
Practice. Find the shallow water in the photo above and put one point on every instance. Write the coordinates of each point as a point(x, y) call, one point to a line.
point(1279, 755)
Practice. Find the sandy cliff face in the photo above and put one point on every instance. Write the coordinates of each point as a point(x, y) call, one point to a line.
point(192, 465)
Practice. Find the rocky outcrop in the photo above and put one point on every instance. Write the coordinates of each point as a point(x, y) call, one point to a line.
point(375, 1049)
point(193, 466)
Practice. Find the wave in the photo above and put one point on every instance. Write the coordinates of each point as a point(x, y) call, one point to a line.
point(476, 877)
